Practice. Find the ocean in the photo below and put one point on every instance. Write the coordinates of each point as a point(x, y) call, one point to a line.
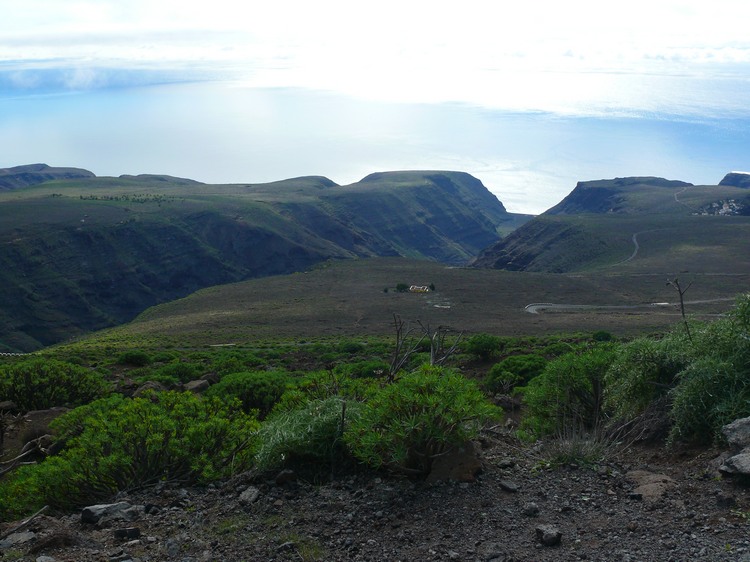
point(230, 133)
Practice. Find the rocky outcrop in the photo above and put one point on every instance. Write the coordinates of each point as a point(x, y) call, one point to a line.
point(736, 179)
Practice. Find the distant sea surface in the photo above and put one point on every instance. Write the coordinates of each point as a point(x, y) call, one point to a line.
point(227, 133)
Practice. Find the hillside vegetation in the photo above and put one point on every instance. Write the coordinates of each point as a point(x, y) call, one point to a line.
point(82, 254)
point(633, 224)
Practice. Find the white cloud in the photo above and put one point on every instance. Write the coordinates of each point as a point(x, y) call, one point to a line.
point(544, 55)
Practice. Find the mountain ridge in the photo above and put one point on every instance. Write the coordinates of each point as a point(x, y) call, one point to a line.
point(84, 253)
point(597, 227)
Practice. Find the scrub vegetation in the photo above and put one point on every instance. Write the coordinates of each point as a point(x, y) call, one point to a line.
point(330, 403)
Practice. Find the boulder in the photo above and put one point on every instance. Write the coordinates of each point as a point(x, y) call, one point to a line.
point(737, 434)
point(738, 464)
point(197, 386)
point(15, 539)
point(112, 511)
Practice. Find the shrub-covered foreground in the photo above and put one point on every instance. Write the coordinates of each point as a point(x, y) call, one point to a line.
point(117, 443)
point(691, 383)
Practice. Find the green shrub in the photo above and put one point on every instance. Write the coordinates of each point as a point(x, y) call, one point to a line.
point(568, 395)
point(351, 347)
point(256, 390)
point(116, 444)
point(644, 371)
point(522, 369)
point(168, 381)
point(483, 346)
point(364, 369)
point(556, 349)
point(714, 389)
point(180, 371)
point(602, 336)
point(311, 432)
point(321, 385)
point(406, 424)
point(500, 381)
point(134, 358)
point(38, 384)
point(710, 394)
point(235, 363)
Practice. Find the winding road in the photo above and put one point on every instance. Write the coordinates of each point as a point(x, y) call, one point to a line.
point(537, 307)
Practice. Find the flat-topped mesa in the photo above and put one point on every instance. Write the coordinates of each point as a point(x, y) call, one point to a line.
point(449, 183)
point(736, 179)
point(32, 174)
point(606, 196)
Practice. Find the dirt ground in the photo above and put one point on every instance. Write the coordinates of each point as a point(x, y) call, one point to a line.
point(642, 504)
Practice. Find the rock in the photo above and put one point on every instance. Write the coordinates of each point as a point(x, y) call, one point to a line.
point(509, 486)
point(548, 535)
point(249, 495)
point(531, 509)
point(197, 386)
point(460, 464)
point(737, 434)
point(738, 464)
point(97, 513)
point(149, 386)
point(16, 539)
point(45, 559)
point(8, 406)
point(649, 486)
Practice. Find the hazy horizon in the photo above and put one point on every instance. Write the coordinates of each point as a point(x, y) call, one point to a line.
point(529, 99)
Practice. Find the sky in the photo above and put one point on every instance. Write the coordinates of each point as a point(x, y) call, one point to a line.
point(529, 97)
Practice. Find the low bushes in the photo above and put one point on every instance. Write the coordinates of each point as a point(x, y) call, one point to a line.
point(117, 444)
point(38, 384)
point(406, 424)
point(311, 432)
point(256, 390)
point(483, 346)
point(514, 370)
point(569, 393)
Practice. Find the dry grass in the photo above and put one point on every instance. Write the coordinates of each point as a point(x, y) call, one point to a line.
point(348, 298)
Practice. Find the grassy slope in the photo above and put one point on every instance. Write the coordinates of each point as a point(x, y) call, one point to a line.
point(347, 298)
point(671, 236)
point(83, 254)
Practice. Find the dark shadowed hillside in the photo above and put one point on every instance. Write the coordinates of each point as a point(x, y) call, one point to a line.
point(85, 253)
